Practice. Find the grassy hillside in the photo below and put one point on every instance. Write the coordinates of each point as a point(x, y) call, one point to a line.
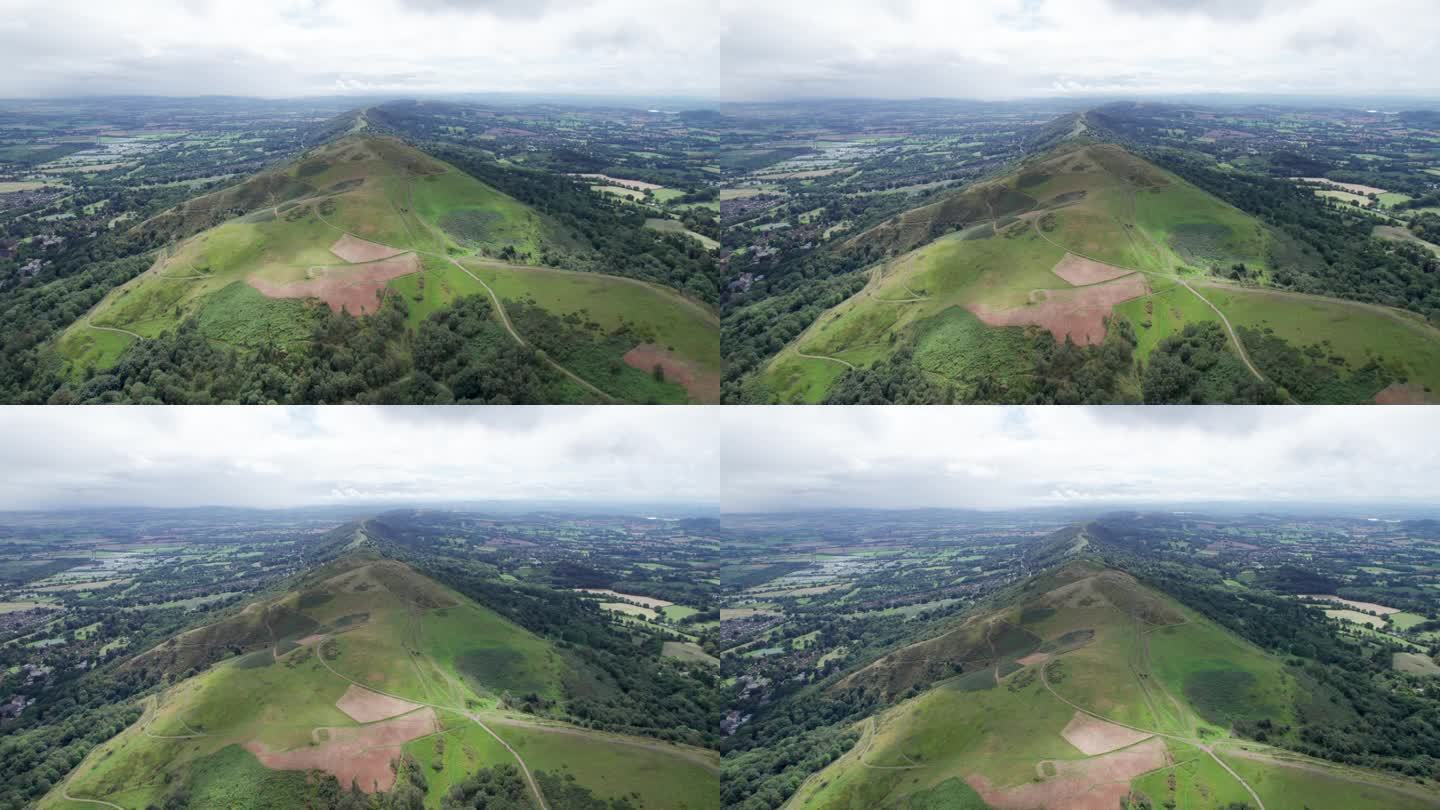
point(363, 660)
point(1087, 690)
point(362, 218)
point(1080, 235)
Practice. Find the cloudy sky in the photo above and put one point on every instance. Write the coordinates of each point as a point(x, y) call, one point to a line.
point(321, 47)
point(1020, 48)
point(276, 457)
point(785, 459)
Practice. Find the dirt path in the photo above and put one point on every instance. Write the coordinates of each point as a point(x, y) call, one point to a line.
point(65, 793)
point(91, 325)
point(1044, 679)
point(844, 363)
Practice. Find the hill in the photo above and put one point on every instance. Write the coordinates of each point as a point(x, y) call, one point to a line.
point(1085, 688)
point(366, 222)
point(977, 295)
point(369, 672)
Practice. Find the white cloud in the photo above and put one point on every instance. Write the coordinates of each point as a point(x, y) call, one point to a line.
point(996, 457)
point(318, 47)
point(1018, 48)
point(271, 457)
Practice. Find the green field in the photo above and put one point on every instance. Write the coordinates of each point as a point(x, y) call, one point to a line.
point(368, 621)
point(392, 196)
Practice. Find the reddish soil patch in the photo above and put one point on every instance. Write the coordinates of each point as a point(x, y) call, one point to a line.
point(354, 249)
point(1033, 658)
point(365, 706)
point(311, 639)
point(1080, 271)
point(1088, 784)
point(352, 288)
point(703, 386)
point(1079, 312)
point(1094, 736)
point(1404, 394)
point(361, 754)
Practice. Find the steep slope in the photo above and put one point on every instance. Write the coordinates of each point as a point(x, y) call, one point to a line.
point(1074, 239)
point(365, 665)
point(1085, 689)
point(364, 217)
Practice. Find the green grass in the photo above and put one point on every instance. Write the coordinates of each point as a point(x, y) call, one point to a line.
point(1285, 787)
point(1199, 782)
point(677, 612)
point(239, 315)
point(1354, 331)
point(97, 348)
point(1405, 620)
point(612, 769)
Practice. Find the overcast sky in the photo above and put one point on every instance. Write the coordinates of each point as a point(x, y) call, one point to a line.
point(321, 47)
point(277, 457)
point(1018, 48)
point(783, 459)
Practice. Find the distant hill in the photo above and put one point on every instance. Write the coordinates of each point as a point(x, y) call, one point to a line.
point(367, 671)
point(1085, 689)
point(367, 221)
point(1093, 245)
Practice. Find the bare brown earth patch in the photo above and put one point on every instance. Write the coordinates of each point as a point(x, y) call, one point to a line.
point(1098, 783)
point(365, 706)
point(1095, 736)
point(1404, 394)
point(352, 288)
point(1033, 658)
point(311, 639)
point(355, 250)
point(1079, 312)
point(703, 386)
point(1079, 271)
point(361, 754)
